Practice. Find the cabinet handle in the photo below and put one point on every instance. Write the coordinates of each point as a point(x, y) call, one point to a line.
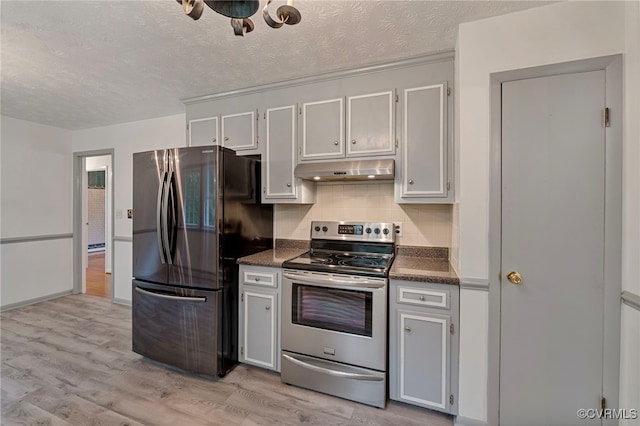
point(422, 298)
point(256, 279)
point(288, 185)
point(407, 328)
point(410, 181)
point(353, 141)
point(336, 143)
point(226, 138)
point(213, 140)
point(267, 307)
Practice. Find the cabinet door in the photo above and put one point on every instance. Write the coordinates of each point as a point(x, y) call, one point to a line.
point(424, 365)
point(203, 131)
point(370, 125)
point(322, 130)
point(425, 142)
point(280, 152)
point(259, 343)
point(239, 131)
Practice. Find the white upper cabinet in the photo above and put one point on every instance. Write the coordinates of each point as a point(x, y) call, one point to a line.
point(426, 146)
point(322, 130)
point(370, 124)
point(203, 131)
point(239, 131)
point(369, 129)
point(280, 159)
point(401, 111)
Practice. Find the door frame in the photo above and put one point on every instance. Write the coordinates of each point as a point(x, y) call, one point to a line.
point(78, 229)
point(612, 65)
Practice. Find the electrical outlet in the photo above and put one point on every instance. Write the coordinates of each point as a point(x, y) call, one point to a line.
point(398, 227)
point(119, 214)
point(129, 214)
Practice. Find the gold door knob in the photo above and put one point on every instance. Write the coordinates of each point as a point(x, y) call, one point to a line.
point(514, 277)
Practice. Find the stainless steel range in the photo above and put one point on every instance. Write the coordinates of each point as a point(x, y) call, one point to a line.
point(334, 313)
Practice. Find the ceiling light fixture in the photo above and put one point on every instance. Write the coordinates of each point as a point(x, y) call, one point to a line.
point(240, 10)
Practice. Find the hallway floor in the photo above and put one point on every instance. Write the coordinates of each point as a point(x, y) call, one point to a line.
point(98, 282)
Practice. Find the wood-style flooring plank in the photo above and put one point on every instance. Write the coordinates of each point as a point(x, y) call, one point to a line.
point(15, 384)
point(25, 413)
point(69, 361)
point(74, 409)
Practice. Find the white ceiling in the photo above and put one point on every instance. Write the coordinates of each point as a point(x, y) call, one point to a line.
point(83, 64)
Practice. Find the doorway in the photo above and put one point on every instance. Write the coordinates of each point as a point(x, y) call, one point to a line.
point(556, 211)
point(98, 226)
point(93, 223)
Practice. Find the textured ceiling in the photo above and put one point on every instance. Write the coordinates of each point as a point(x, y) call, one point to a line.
point(83, 64)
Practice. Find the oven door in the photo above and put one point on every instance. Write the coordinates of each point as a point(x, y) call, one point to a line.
point(342, 318)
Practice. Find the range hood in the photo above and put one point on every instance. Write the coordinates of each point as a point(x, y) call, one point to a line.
point(346, 170)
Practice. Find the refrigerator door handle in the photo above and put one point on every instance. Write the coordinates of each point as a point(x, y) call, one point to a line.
point(171, 297)
point(165, 214)
point(159, 217)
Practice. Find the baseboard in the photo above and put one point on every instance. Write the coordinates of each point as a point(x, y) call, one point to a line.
point(16, 305)
point(466, 421)
point(118, 301)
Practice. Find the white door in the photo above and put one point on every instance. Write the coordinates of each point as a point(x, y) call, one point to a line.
point(553, 189)
point(370, 124)
point(280, 154)
point(322, 130)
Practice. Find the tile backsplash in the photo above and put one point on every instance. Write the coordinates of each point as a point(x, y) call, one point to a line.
point(423, 224)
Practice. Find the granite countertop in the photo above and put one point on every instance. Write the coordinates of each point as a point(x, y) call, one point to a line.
point(424, 264)
point(284, 250)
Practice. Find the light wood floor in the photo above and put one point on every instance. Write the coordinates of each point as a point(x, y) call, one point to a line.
point(69, 362)
point(98, 282)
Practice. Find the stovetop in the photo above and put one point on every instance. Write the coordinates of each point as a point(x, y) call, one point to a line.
point(343, 263)
point(347, 248)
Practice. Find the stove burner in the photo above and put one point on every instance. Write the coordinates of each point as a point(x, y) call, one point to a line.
point(321, 259)
point(362, 262)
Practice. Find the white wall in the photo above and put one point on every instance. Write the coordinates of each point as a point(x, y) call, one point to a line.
point(35, 196)
point(125, 139)
point(552, 34)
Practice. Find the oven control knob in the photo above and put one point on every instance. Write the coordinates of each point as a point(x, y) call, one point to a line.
point(377, 230)
point(385, 231)
point(317, 228)
point(325, 229)
point(368, 230)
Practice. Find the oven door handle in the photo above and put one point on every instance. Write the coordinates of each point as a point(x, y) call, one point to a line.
point(336, 373)
point(332, 282)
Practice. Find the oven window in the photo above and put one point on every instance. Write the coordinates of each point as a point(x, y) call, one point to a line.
point(347, 311)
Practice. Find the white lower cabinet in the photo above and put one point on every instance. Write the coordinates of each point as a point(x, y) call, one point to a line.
point(259, 317)
point(423, 344)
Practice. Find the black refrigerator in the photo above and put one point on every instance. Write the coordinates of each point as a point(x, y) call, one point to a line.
point(195, 212)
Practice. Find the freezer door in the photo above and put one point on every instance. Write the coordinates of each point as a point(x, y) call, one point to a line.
point(177, 326)
point(194, 217)
point(149, 185)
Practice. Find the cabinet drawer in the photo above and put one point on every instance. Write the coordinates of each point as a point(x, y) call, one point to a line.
point(263, 279)
point(427, 297)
